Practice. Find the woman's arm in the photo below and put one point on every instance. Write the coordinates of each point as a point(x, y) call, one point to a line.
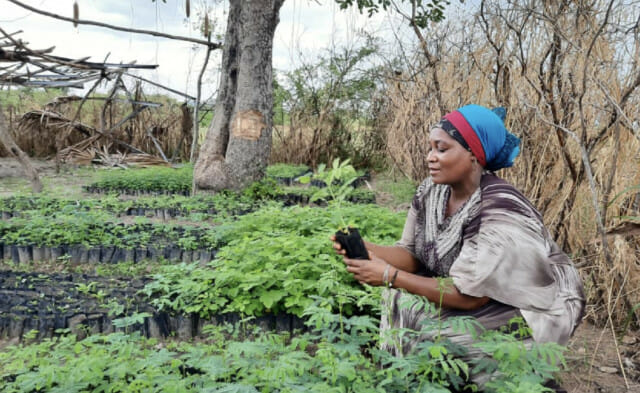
point(396, 256)
point(428, 287)
point(402, 266)
point(399, 255)
point(372, 272)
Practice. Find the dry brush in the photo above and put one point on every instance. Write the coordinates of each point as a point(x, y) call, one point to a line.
point(568, 75)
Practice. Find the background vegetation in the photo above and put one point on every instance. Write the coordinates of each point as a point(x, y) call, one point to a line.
point(567, 74)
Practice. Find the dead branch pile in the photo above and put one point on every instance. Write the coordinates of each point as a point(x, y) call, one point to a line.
point(125, 123)
point(93, 155)
point(131, 126)
point(36, 132)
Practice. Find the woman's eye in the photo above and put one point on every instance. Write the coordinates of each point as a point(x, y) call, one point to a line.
point(437, 149)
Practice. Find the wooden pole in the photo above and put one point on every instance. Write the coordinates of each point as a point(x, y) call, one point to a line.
point(196, 107)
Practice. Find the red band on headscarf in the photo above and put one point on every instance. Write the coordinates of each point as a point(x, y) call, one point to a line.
point(462, 125)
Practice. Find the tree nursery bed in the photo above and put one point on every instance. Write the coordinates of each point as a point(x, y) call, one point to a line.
point(255, 283)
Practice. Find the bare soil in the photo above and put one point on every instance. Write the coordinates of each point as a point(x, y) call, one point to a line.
point(68, 181)
point(594, 362)
point(10, 167)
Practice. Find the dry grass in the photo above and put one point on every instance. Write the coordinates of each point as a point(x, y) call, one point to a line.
point(313, 140)
point(44, 131)
point(557, 74)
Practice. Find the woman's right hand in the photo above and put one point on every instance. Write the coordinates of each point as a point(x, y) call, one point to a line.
point(337, 246)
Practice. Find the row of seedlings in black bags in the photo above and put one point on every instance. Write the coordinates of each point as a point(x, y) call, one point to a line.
point(287, 174)
point(170, 181)
point(303, 196)
point(147, 181)
point(78, 302)
point(223, 204)
point(85, 304)
point(86, 238)
point(164, 207)
point(291, 174)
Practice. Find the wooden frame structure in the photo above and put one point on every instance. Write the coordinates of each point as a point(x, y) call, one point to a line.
point(22, 66)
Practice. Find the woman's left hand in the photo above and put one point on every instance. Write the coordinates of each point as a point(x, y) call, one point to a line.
point(369, 271)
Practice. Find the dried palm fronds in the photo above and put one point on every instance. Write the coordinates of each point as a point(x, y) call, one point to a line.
point(81, 157)
point(107, 159)
point(144, 160)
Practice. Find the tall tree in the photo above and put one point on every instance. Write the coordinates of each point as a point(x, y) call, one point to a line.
point(236, 149)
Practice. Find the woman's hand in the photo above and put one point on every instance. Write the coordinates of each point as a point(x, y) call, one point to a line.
point(337, 246)
point(368, 271)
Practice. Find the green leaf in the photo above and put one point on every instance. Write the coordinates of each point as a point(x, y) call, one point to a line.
point(304, 179)
point(269, 298)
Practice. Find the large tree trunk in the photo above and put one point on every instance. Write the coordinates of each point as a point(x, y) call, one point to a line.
point(236, 149)
point(14, 150)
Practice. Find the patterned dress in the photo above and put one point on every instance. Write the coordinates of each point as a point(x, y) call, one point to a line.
point(495, 245)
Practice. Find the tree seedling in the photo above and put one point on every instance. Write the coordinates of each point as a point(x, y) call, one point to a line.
point(338, 180)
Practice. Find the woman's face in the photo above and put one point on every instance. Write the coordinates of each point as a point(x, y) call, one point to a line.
point(449, 162)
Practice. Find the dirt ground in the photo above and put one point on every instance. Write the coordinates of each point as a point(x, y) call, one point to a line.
point(67, 182)
point(10, 167)
point(594, 363)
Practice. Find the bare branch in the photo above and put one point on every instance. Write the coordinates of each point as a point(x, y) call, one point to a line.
point(211, 45)
point(584, 71)
point(592, 185)
point(196, 123)
point(156, 144)
point(612, 173)
point(160, 86)
point(618, 108)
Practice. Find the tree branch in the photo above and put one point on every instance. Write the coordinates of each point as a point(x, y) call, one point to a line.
point(160, 86)
point(592, 185)
point(196, 122)
point(211, 45)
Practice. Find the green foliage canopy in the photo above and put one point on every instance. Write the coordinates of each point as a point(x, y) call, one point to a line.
point(424, 11)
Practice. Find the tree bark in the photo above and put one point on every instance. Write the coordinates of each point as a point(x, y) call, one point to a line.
point(236, 149)
point(14, 150)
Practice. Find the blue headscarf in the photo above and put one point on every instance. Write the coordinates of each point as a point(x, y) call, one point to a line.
point(500, 146)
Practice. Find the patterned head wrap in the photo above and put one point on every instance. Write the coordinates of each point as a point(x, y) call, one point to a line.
point(482, 132)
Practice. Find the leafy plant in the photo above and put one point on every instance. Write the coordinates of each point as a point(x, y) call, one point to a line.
point(425, 11)
point(131, 320)
point(253, 275)
point(156, 179)
point(321, 360)
point(338, 181)
point(282, 170)
point(338, 186)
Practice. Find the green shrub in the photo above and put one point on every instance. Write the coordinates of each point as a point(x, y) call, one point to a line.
point(272, 260)
point(153, 179)
point(340, 355)
point(286, 170)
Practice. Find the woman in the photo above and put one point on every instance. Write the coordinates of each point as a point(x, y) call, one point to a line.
point(467, 224)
